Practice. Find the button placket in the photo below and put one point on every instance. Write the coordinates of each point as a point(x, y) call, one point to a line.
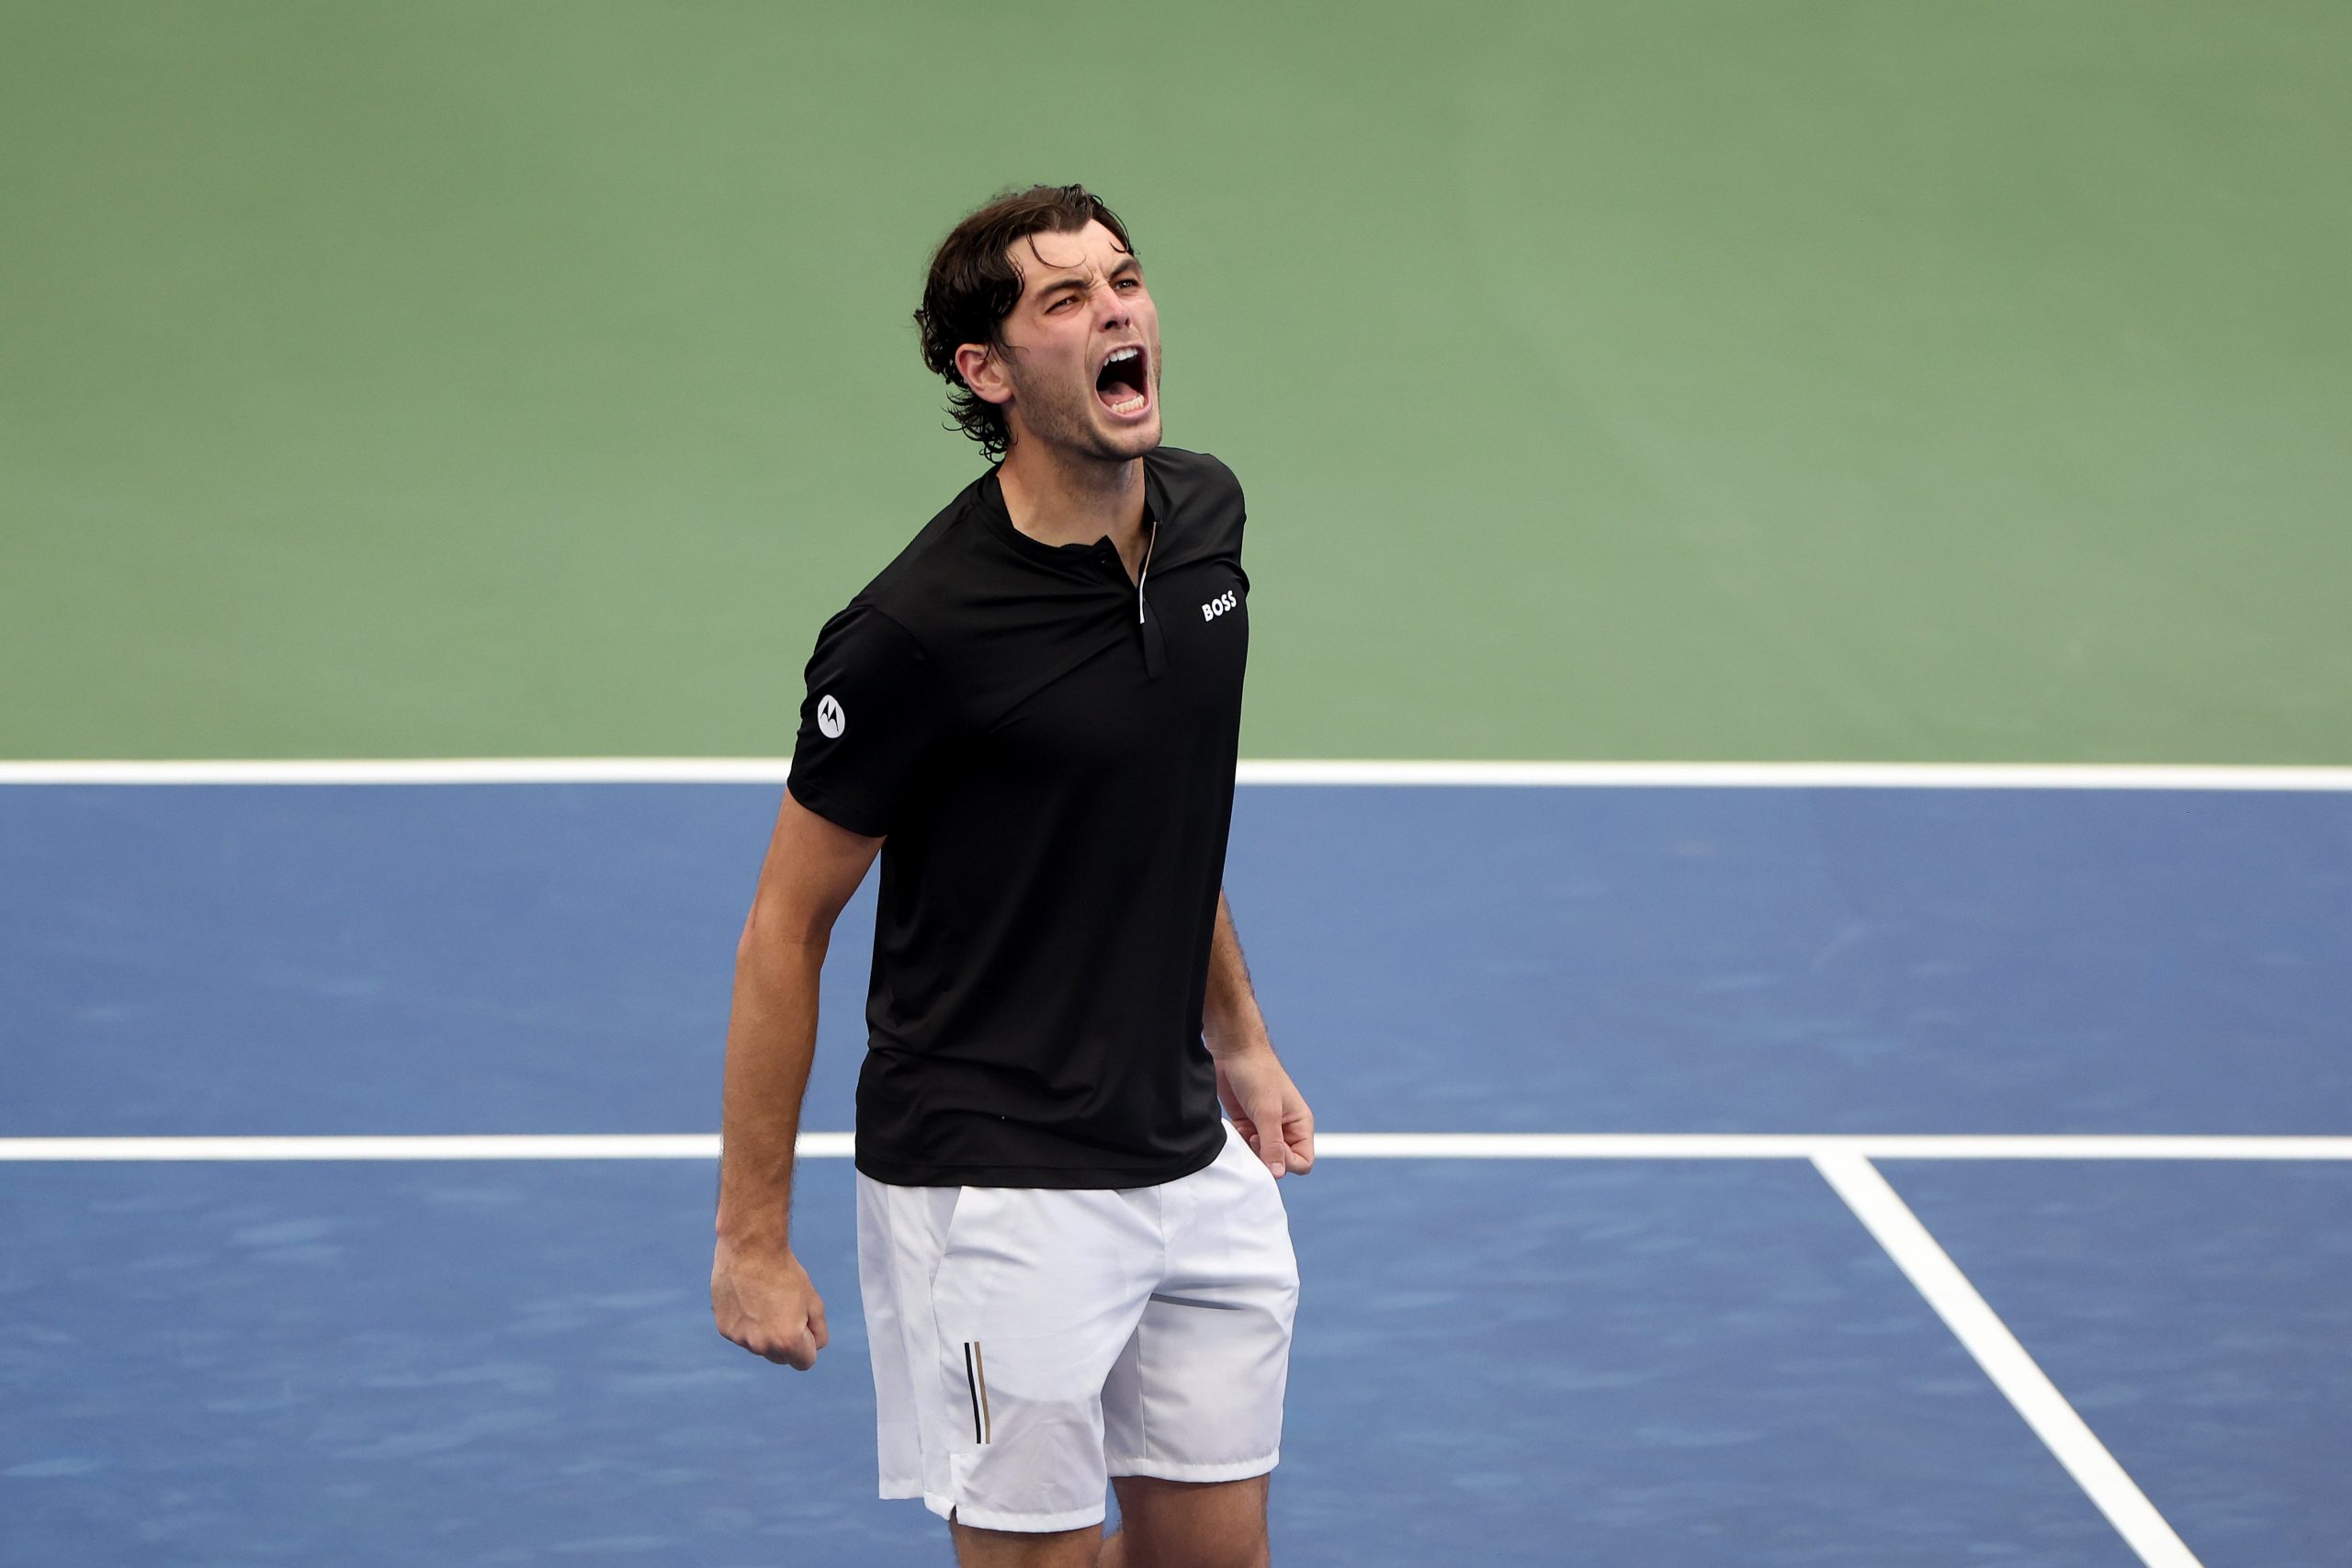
point(1154, 647)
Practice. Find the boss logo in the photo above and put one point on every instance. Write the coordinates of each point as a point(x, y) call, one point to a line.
point(1219, 606)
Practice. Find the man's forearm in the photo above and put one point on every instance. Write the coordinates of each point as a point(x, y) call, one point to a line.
point(771, 1040)
point(1230, 1020)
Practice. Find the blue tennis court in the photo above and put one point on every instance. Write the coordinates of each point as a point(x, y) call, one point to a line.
point(1651, 1360)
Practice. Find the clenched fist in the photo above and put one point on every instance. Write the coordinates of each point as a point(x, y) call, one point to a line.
point(763, 1302)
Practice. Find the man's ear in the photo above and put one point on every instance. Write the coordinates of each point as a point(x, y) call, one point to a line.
point(982, 368)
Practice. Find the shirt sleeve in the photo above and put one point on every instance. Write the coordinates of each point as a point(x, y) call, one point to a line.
point(872, 714)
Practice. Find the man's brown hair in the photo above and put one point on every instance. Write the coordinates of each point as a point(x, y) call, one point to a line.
point(974, 285)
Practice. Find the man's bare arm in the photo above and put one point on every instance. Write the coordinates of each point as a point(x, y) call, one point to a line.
point(760, 1297)
point(1266, 1107)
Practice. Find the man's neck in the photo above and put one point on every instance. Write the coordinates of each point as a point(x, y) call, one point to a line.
point(1063, 503)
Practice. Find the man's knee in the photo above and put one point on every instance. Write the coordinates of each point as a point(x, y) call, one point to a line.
point(1178, 1524)
point(977, 1548)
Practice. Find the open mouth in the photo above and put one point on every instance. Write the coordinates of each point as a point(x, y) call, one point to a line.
point(1122, 383)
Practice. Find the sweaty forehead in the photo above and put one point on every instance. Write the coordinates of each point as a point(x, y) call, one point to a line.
point(1045, 259)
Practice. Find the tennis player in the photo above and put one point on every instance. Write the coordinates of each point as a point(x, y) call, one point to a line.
point(1076, 1272)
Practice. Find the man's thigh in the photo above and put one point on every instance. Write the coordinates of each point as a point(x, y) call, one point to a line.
point(1196, 1394)
point(994, 1326)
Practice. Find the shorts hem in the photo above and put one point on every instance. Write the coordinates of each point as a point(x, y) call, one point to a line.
point(1162, 1470)
point(1001, 1519)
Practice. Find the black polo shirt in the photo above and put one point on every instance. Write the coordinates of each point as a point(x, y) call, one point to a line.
point(1050, 749)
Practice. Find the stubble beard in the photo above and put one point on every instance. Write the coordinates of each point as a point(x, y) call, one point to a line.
point(1059, 416)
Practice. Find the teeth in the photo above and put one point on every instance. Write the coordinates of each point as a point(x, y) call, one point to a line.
point(1137, 403)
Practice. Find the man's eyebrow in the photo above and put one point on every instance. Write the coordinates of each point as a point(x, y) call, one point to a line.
point(1069, 280)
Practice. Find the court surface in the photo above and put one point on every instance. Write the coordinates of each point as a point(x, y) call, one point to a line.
point(1682, 1347)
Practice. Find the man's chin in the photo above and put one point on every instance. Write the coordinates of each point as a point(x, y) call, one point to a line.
point(1123, 442)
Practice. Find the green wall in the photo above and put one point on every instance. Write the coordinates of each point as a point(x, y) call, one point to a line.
point(1877, 380)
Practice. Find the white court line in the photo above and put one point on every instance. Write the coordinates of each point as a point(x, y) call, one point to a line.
point(399, 1146)
point(2013, 1372)
point(407, 771)
point(1805, 1146)
point(771, 770)
point(1337, 1145)
point(1802, 775)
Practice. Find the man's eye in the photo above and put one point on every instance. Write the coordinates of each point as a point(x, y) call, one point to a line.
point(1130, 283)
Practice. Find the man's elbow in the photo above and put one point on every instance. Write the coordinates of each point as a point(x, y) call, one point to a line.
point(777, 935)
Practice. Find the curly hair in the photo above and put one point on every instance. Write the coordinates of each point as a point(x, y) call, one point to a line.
point(973, 284)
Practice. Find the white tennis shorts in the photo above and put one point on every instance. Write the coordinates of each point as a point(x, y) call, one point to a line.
point(1031, 1343)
